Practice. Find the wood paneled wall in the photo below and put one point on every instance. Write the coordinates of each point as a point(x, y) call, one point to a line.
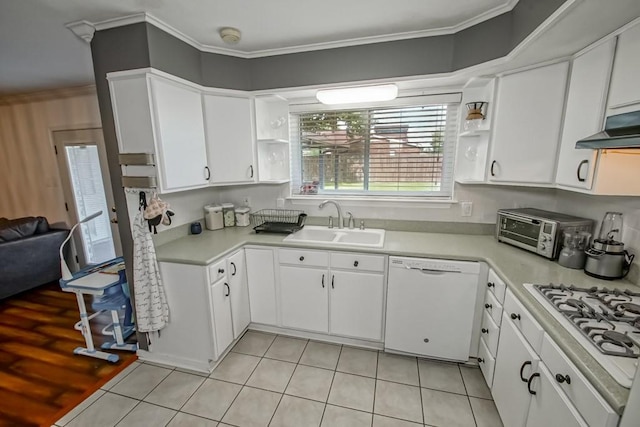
point(29, 177)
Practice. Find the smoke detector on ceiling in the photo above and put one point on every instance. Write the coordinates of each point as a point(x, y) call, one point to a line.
point(230, 35)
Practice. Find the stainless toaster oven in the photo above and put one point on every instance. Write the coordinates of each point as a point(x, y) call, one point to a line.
point(536, 230)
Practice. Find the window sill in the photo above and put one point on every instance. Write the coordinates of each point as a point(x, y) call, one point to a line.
point(416, 202)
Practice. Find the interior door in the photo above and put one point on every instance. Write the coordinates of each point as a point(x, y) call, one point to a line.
point(82, 160)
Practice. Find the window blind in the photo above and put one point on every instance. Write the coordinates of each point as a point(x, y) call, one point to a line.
point(401, 151)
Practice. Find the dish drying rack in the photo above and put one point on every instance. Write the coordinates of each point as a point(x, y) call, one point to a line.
point(284, 221)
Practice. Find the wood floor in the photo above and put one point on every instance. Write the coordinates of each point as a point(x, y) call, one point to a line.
point(40, 377)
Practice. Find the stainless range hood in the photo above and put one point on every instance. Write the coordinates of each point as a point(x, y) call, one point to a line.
point(620, 131)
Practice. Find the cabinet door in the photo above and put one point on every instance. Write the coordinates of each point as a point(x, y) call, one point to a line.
point(515, 362)
point(229, 131)
point(237, 274)
point(625, 90)
point(527, 125)
point(262, 285)
point(179, 133)
point(222, 324)
point(584, 114)
point(357, 304)
point(550, 406)
point(304, 298)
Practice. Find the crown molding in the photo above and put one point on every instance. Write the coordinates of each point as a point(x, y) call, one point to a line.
point(83, 29)
point(148, 18)
point(48, 95)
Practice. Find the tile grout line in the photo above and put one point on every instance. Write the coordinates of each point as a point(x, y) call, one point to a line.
point(468, 399)
point(288, 382)
point(420, 388)
point(244, 385)
point(375, 386)
point(324, 410)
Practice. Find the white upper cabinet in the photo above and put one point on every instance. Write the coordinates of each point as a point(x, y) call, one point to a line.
point(584, 114)
point(625, 91)
point(158, 115)
point(526, 129)
point(230, 142)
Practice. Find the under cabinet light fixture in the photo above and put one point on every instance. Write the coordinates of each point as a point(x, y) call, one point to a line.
point(352, 95)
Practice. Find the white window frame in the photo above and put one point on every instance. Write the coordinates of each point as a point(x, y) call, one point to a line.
point(408, 197)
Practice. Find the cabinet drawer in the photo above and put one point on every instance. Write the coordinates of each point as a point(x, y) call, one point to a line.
point(592, 407)
point(217, 271)
point(493, 307)
point(353, 261)
point(486, 362)
point(524, 321)
point(490, 333)
point(302, 257)
point(496, 285)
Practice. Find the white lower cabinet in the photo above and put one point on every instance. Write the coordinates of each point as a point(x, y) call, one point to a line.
point(357, 304)
point(237, 275)
point(304, 298)
point(262, 285)
point(332, 292)
point(549, 405)
point(535, 384)
point(515, 363)
point(219, 294)
point(187, 340)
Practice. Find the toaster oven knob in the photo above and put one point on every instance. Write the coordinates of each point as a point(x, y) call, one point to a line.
point(544, 238)
point(543, 246)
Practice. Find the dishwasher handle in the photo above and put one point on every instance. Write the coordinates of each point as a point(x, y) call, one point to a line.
point(431, 271)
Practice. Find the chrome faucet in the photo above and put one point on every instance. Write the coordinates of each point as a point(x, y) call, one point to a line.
point(334, 203)
point(351, 222)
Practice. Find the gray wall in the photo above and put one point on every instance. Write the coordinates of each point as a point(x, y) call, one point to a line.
point(118, 49)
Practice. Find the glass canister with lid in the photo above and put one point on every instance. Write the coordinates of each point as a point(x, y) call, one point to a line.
point(229, 215)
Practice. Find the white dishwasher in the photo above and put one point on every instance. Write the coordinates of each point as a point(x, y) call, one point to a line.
point(430, 307)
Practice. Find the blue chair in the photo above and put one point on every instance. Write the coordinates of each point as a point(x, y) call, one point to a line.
point(116, 300)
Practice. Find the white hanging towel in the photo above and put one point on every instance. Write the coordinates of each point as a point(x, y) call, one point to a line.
point(152, 310)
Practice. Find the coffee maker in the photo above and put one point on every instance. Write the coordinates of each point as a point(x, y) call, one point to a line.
point(606, 258)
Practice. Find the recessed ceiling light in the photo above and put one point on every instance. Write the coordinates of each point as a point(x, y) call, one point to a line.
point(230, 35)
point(352, 95)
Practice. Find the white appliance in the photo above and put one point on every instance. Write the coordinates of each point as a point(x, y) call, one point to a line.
point(605, 322)
point(430, 307)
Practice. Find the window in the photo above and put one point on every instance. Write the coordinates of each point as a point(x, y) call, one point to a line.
point(386, 151)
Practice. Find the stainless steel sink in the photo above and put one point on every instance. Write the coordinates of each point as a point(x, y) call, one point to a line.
point(371, 237)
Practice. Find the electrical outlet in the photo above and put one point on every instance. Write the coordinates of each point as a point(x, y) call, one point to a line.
point(466, 208)
point(246, 201)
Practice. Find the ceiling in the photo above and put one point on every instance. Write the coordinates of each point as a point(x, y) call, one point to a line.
point(39, 52)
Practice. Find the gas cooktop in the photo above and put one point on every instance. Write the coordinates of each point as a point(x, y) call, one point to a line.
point(606, 322)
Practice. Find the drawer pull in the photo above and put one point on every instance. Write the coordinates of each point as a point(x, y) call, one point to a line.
point(488, 306)
point(301, 258)
point(480, 360)
point(221, 271)
point(515, 316)
point(485, 331)
point(491, 285)
point(524, 380)
point(529, 383)
point(355, 263)
point(563, 378)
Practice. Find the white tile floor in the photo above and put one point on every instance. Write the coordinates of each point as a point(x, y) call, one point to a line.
point(269, 380)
